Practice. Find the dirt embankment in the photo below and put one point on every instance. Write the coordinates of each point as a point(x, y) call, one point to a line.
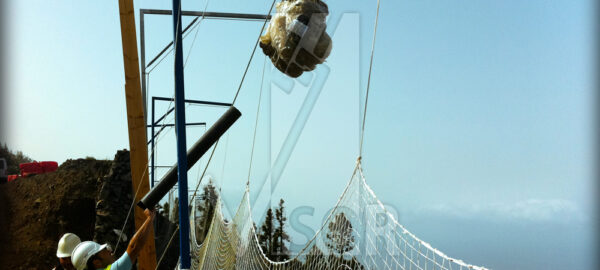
point(88, 197)
point(36, 211)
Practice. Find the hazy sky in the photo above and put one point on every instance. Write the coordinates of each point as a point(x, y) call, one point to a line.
point(478, 129)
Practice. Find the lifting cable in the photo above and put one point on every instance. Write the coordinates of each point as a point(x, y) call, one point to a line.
point(362, 133)
point(253, 51)
point(256, 123)
point(224, 162)
point(167, 247)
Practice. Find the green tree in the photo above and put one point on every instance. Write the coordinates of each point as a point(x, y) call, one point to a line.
point(339, 236)
point(13, 159)
point(266, 235)
point(272, 236)
point(165, 209)
point(174, 214)
point(280, 236)
point(206, 207)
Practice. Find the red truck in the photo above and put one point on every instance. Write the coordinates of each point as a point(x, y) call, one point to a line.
point(33, 168)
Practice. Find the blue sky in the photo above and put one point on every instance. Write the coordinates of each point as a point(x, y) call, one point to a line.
point(479, 117)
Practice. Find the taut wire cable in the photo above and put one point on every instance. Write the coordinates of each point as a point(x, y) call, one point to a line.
point(256, 123)
point(362, 136)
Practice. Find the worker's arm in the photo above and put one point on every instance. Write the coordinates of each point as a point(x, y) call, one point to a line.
point(140, 237)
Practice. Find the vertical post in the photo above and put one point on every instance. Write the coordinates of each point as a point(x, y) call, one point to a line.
point(184, 229)
point(152, 150)
point(143, 64)
point(136, 126)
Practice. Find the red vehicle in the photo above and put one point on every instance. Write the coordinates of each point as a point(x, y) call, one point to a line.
point(33, 168)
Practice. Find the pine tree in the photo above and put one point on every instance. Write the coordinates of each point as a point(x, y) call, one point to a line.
point(339, 236)
point(265, 236)
point(165, 209)
point(174, 214)
point(280, 236)
point(209, 199)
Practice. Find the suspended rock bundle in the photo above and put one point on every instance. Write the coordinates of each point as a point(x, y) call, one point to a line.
point(296, 40)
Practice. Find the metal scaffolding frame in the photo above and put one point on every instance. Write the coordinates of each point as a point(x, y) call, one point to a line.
point(197, 14)
point(223, 123)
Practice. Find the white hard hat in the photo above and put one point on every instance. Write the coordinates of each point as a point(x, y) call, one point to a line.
point(66, 244)
point(83, 252)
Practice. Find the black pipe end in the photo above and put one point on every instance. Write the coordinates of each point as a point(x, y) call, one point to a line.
point(235, 112)
point(152, 198)
point(141, 205)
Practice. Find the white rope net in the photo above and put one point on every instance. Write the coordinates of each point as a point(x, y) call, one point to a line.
point(359, 233)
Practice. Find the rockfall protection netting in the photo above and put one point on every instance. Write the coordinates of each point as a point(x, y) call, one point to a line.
point(359, 233)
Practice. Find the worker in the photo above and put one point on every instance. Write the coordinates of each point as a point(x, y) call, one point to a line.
point(91, 255)
point(66, 244)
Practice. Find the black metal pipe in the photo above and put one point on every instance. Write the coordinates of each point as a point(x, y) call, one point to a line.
point(192, 101)
point(164, 115)
point(193, 155)
point(172, 125)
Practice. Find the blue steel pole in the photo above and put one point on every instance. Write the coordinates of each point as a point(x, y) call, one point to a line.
point(184, 229)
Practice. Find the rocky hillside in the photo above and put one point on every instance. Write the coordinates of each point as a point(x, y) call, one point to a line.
point(87, 197)
point(37, 210)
